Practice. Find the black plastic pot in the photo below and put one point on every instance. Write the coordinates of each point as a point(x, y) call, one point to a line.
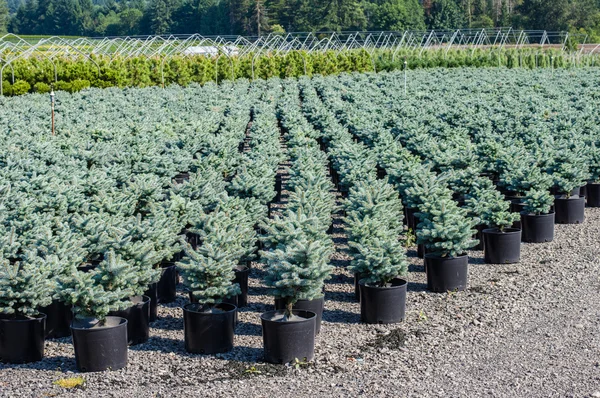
point(99, 348)
point(152, 292)
point(569, 210)
point(383, 304)
point(446, 273)
point(241, 277)
point(286, 341)
point(208, 332)
point(22, 338)
point(411, 220)
point(593, 194)
point(316, 306)
point(227, 300)
point(583, 191)
point(58, 320)
point(167, 285)
point(138, 320)
point(502, 247)
point(537, 228)
point(479, 236)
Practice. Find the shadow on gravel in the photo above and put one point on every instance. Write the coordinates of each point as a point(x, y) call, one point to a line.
point(168, 323)
point(416, 268)
point(257, 273)
point(339, 316)
point(340, 279)
point(259, 291)
point(244, 353)
point(55, 363)
point(343, 297)
point(476, 260)
point(161, 344)
point(417, 287)
point(411, 253)
point(248, 329)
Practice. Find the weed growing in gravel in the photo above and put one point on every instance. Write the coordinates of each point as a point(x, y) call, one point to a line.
point(70, 383)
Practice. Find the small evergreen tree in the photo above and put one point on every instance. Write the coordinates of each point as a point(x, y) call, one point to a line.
point(445, 229)
point(538, 202)
point(208, 273)
point(297, 271)
point(106, 288)
point(25, 286)
point(489, 207)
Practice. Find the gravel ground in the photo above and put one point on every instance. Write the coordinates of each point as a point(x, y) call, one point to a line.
point(522, 330)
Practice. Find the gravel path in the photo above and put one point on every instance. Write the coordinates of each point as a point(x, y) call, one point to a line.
point(523, 330)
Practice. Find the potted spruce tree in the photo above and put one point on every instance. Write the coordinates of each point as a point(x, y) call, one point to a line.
point(501, 242)
point(447, 234)
point(537, 219)
point(569, 206)
point(372, 208)
point(570, 172)
point(25, 286)
point(296, 271)
point(142, 276)
point(208, 321)
point(382, 261)
point(100, 341)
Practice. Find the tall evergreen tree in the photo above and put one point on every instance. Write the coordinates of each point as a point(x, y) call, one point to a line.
point(446, 15)
point(3, 16)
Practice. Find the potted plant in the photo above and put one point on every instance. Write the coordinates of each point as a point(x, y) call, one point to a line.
point(382, 262)
point(569, 175)
point(60, 249)
point(501, 243)
point(231, 227)
point(418, 196)
point(296, 271)
point(208, 322)
point(25, 286)
point(371, 201)
point(139, 256)
point(537, 219)
point(144, 242)
point(100, 341)
point(447, 234)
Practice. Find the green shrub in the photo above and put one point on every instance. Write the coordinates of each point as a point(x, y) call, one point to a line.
point(20, 87)
point(41, 88)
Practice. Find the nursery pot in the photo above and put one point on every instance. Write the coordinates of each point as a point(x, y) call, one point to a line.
point(411, 219)
point(569, 210)
point(537, 228)
point(102, 346)
point(316, 306)
point(479, 236)
point(575, 192)
point(502, 247)
point(383, 304)
point(208, 332)
point(593, 194)
point(152, 292)
point(22, 338)
point(138, 320)
point(167, 285)
point(58, 319)
point(227, 300)
point(241, 277)
point(286, 341)
point(446, 273)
